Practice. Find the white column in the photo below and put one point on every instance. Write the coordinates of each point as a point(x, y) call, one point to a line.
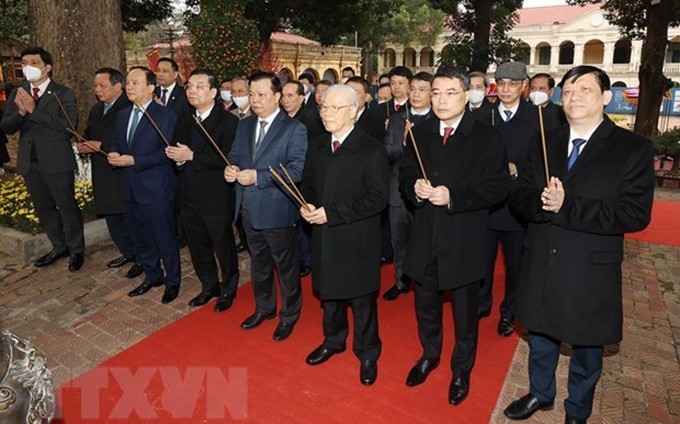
point(578, 54)
point(608, 59)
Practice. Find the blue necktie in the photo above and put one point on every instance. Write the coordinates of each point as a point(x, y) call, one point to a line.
point(164, 97)
point(260, 137)
point(508, 115)
point(575, 151)
point(133, 125)
point(107, 107)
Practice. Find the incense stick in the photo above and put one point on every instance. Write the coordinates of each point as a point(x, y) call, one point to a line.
point(415, 149)
point(292, 183)
point(71, 128)
point(153, 123)
point(211, 140)
point(545, 152)
point(285, 185)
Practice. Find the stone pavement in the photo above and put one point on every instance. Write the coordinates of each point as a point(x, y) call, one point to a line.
point(81, 319)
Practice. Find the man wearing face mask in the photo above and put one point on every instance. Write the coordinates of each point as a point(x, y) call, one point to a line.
point(479, 88)
point(542, 90)
point(46, 159)
point(225, 94)
point(308, 80)
point(239, 95)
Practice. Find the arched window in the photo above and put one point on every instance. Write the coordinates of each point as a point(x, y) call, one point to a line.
point(542, 54)
point(426, 57)
point(566, 53)
point(389, 58)
point(593, 52)
point(622, 50)
point(410, 57)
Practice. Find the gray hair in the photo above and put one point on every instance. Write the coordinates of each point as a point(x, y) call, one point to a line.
point(344, 89)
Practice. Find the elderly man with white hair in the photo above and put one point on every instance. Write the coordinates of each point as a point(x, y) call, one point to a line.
point(345, 183)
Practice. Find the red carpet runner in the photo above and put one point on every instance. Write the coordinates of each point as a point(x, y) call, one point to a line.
point(664, 227)
point(204, 369)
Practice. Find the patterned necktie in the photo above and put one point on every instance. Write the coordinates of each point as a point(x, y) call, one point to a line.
point(164, 97)
point(575, 151)
point(336, 145)
point(133, 125)
point(508, 115)
point(447, 134)
point(36, 94)
point(260, 137)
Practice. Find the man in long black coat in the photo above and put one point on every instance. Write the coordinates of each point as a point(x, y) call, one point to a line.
point(601, 186)
point(467, 173)
point(345, 181)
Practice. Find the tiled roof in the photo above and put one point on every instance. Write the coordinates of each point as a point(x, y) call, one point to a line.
point(552, 14)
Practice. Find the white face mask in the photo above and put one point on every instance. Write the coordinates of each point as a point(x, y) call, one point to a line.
point(226, 95)
point(31, 73)
point(538, 97)
point(344, 80)
point(241, 102)
point(477, 96)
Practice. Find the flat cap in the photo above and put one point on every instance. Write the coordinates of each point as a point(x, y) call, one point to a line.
point(511, 70)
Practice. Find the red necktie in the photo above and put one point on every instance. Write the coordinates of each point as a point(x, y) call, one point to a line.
point(36, 94)
point(397, 107)
point(447, 133)
point(336, 145)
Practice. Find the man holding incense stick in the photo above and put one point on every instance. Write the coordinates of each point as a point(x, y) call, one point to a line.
point(44, 111)
point(346, 184)
point(204, 198)
point(465, 161)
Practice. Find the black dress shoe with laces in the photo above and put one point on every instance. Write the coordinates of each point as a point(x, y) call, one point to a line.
point(201, 299)
point(119, 261)
point(505, 327)
point(256, 319)
point(223, 303)
point(421, 370)
point(321, 354)
point(283, 330)
point(459, 389)
point(525, 407)
point(143, 288)
point(368, 372)
point(75, 262)
point(169, 294)
point(395, 291)
point(50, 258)
point(134, 271)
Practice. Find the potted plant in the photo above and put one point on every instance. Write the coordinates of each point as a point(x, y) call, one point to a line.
point(667, 149)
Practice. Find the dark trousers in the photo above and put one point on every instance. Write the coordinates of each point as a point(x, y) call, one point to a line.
point(511, 242)
point(55, 205)
point(385, 239)
point(401, 220)
point(429, 301)
point(305, 243)
point(120, 234)
point(366, 344)
point(154, 234)
point(210, 236)
point(269, 248)
point(585, 367)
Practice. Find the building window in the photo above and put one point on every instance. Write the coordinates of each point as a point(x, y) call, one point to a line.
point(426, 57)
point(410, 57)
point(673, 52)
point(567, 53)
point(389, 58)
point(524, 53)
point(622, 50)
point(543, 55)
point(593, 52)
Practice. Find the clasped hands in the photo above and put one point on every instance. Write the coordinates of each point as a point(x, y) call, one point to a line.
point(121, 161)
point(244, 177)
point(438, 196)
point(552, 197)
point(313, 215)
point(24, 101)
point(179, 153)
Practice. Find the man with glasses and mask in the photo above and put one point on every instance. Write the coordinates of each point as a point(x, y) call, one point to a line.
point(268, 139)
point(46, 159)
point(466, 173)
point(345, 183)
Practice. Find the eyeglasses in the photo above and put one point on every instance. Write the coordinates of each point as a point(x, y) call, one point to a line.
point(449, 94)
point(199, 87)
point(332, 108)
point(511, 84)
point(414, 90)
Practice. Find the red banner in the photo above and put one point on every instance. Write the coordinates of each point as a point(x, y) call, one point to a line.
point(153, 56)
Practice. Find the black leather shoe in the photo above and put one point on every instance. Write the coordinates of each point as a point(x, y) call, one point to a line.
point(505, 327)
point(170, 294)
point(573, 420)
point(483, 314)
point(201, 299)
point(143, 288)
point(368, 372)
point(75, 262)
point(283, 330)
point(119, 261)
point(256, 319)
point(395, 291)
point(459, 389)
point(50, 258)
point(305, 270)
point(525, 407)
point(321, 354)
point(134, 271)
point(421, 370)
point(223, 303)
point(241, 247)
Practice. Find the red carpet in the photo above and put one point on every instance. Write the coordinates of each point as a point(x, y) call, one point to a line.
point(204, 369)
point(664, 227)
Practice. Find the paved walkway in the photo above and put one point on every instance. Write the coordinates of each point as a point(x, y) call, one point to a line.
point(80, 319)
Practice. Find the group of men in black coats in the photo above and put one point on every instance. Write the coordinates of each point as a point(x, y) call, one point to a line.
point(457, 178)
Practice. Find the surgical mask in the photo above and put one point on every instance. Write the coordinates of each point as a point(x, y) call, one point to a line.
point(538, 97)
point(31, 73)
point(241, 102)
point(305, 88)
point(477, 96)
point(226, 95)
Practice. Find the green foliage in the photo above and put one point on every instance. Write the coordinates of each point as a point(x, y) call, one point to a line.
point(415, 21)
point(137, 14)
point(667, 143)
point(224, 41)
point(13, 20)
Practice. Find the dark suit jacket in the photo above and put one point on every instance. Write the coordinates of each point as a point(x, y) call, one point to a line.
point(151, 180)
point(553, 117)
point(312, 121)
point(213, 194)
point(44, 130)
point(107, 181)
point(570, 279)
point(285, 143)
point(177, 99)
point(374, 122)
point(351, 185)
point(473, 166)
